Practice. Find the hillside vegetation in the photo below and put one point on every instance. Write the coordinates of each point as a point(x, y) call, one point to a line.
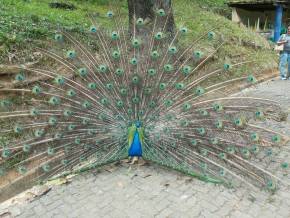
point(26, 21)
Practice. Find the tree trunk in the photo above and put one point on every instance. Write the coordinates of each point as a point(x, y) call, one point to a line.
point(147, 9)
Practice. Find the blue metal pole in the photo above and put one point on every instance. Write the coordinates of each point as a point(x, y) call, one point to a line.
point(278, 22)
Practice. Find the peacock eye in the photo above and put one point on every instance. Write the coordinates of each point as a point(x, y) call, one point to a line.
point(123, 91)
point(115, 35)
point(172, 50)
point(140, 21)
point(222, 172)
point(109, 86)
point(36, 90)
point(197, 54)
point(110, 14)
point(211, 35)
point(285, 165)
point(34, 112)
point(92, 86)
point(183, 30)
point(186, 70)
point(227, 66)
point(179, 86)
point(52, 121)
point(168, 68)
point(151, 72)
point(58, 37)
point(136, 43)
point(93, 29)
point(152, 104)
point(82, 72)
point(130, 111)
point(276, 138)
point(135, 100)
point(134, 61)
point(251, 79)
point(26, 148)
point(4, 103)
point(119, 71)
point(71, 54)
point(59, 80)
point(120, 103)
point(116, 55)
point(161, 12)
point(162, 86)
point(18, 129)
point(154, 55)
point(103, 68)
point(20, 77)
point(136, 79)
point(86, 104)
point(186, 106)
point(255, 137)
point(39, 133)
point(159, 35)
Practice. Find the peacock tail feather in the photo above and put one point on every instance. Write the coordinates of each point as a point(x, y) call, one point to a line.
point(83, 112)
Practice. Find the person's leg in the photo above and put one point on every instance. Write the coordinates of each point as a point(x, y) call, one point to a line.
point(282, 64)
point(288, 58)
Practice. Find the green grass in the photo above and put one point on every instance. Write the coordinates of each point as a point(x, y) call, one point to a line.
point(25, 21)
point(28, 20)
point(217, 6)
point(238, 40)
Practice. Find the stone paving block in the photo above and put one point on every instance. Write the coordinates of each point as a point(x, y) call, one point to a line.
point(161, 205)
point(27, 213)
point(254, 210)
point(40, 209)
point(238, 213)
point(56, 203)
point(283, 212)
point(45, 200)
point(206, 214)
point(66, 208)
point(164, 213)
point(50, 214)
point(209, 206)
point(69, 199)
point(15, 211)
point(179, 214)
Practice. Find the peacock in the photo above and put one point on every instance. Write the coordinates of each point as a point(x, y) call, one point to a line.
point(120, 94)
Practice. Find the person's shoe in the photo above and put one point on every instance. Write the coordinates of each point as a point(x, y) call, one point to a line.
point(283, 78)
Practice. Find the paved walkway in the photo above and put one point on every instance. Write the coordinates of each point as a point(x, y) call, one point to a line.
point(151, 191)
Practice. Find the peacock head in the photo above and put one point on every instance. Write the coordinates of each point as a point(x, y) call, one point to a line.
point(138, 124)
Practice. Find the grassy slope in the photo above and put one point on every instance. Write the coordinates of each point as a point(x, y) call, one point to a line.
point(25, 20)
point(241, 43)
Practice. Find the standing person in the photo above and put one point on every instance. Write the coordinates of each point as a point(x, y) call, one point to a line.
point(285, 55)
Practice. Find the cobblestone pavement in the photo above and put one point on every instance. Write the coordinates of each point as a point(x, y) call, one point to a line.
point(152, 191)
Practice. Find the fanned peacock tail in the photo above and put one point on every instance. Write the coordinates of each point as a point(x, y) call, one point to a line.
point(88, 112)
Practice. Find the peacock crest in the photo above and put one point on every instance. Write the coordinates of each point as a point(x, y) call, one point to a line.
point(143, 87)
